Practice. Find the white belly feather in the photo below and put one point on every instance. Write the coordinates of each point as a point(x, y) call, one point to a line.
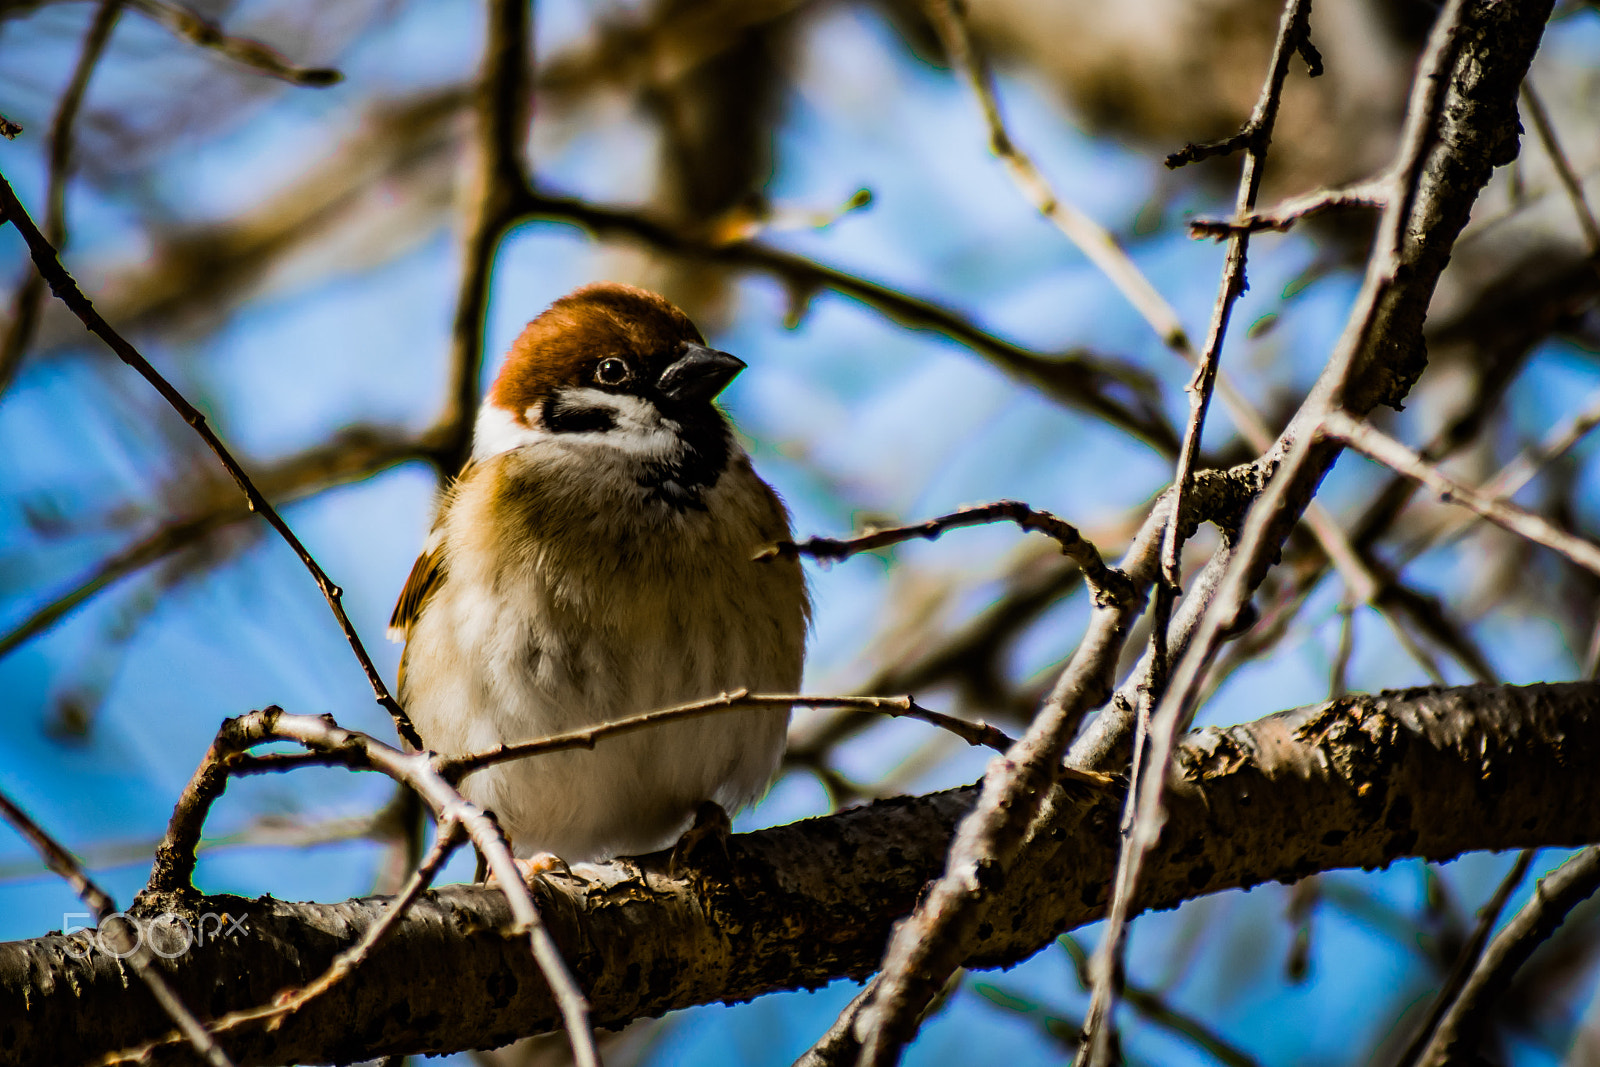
point(568, 620)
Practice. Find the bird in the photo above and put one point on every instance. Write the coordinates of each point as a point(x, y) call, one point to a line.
point(595, 559)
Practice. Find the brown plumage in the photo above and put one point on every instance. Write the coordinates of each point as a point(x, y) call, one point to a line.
point(593, 561)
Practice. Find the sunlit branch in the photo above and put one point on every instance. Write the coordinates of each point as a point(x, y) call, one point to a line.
point(332, 744)
point(1508, 516)
point(453, 768)
point(1036, 520)
point(139, 954)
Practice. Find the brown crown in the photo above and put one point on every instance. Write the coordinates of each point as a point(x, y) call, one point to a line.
point(563, 345)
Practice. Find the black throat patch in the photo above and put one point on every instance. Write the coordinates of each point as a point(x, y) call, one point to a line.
point(681, 483)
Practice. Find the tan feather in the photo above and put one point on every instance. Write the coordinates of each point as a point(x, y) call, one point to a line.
point(426, 575)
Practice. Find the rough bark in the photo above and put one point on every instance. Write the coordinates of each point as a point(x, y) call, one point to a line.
point(1358, 782)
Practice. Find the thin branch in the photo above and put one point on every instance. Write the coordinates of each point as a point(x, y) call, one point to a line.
point(1516, 474)
point(1153, 1006)
point(67, 291)
point(1467, 958)
point(201, 31)
point(1555, 896)
point(450, 837)
point(1368, 194)
point(352, 455)
point(59, 860)
point(502, 101)
point(1034, 520)
point(1294, 32)
point(932, 942)
point(328, 742)
point(454, 768)
point(1456, 131)
point(1094, 240)
point(1568, 177)
point(1076, 378)
point(1508, 516)
point(1561, 439)
point(1253, 134)
point(28, 300)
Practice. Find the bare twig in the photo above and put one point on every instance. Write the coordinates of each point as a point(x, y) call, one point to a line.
point(1368, 194)
point(454, 768)
point(931, 943)
point(201, 31)
point(1250, 134)
point(1153, 1006)
point(1076, 378)
point(29, 296)
point(1555, 896)
point(1036, 520)
point(1293, 33)
point(1560, 440)
point(330, 743)
point(139, 954)
point(1516, 474)
point(1339, 672)
point(1094, 240)
point(502, 100)
point(67, 291)
point(1397, 457)
point(351, 455)
point(1568, 177)
point(1467, 958)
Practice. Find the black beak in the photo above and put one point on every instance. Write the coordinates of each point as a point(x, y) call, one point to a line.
point(698, 375)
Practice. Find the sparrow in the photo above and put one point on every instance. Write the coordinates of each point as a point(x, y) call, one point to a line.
point(593, 560)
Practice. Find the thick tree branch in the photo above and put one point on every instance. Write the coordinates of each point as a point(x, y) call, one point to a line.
point(1359, 782)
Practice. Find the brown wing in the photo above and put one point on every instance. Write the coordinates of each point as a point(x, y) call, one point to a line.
point(426, 574)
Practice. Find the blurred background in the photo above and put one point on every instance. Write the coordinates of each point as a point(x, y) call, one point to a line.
point(288, 252)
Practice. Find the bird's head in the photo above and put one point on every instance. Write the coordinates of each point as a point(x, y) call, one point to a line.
point(614, 362)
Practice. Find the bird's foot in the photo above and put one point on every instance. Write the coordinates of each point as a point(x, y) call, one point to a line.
point(705, 842)
point(536, 866)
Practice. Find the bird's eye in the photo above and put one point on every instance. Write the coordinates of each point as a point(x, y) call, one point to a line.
point(612, 371)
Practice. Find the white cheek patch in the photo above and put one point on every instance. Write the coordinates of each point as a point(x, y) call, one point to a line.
point(497, 431)
point(639, 429)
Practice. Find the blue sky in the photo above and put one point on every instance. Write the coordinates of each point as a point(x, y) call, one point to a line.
point(847, 414)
